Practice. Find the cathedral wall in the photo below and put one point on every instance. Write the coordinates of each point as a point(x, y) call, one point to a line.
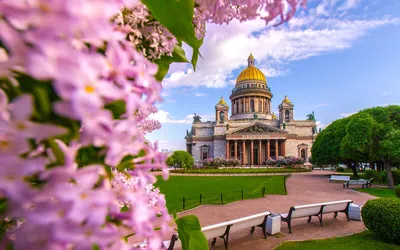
point(196, 151)
point(301, 131)
point(204, 132)
point(291, 147)
point(220, 130)
point(219, 149)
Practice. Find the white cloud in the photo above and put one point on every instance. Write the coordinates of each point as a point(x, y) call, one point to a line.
point(226, 47)
point(165, 117)
point(344, 115)
point(200, 94)
point(349, 4)
point(322, 105)
point(171, 101)
point(171, 145)
point(385, 93)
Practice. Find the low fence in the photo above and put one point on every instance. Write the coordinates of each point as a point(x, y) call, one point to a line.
point(204, 199)
point(227, 174)
point(188, 203)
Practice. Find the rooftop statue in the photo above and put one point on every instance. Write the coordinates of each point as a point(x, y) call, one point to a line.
point(311, 117)
point(196, 118)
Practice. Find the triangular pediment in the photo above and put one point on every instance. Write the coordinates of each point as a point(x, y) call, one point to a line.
point(257, 128)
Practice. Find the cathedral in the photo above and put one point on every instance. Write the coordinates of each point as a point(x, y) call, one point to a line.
point(252, 133)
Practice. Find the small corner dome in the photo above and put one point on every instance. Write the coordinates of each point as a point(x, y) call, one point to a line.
point(286, 100)
point(222, 102)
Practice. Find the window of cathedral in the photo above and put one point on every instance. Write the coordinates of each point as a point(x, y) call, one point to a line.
point(237, 106)
point(222, 116)
point(242, 106)
point(251, 105)
point(287, 117)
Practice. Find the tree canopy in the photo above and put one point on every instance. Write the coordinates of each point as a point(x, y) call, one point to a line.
point(372, 135)
point(181, 159)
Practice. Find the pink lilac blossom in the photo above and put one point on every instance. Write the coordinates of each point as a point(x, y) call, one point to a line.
point(142, 30)
point(217, 11)
point(64, 205)
point(71, 208)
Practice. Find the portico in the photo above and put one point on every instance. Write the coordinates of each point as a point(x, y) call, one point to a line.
point(255, 151)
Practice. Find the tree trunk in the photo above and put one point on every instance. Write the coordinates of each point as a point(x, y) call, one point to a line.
point(388, 168)
point(353, 167)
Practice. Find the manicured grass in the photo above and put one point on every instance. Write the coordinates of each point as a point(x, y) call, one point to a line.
point(240, 170)
point(211, 187)
point(364, 240)
point(379, 192)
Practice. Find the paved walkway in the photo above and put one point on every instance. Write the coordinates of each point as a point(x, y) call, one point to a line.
point(303, 188)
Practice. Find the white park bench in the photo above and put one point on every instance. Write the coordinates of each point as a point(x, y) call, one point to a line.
point(339, 178)
point(222, 230)
point(316, 210)
point(362, 182)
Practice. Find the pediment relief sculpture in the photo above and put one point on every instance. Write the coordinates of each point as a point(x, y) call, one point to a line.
point(257, 128)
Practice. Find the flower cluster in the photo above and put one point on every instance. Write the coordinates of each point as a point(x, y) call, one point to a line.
point(218, 162)
point(284, 161)
point(293, 160)
point(80, 71)
point(143, 30)
point(220, 12)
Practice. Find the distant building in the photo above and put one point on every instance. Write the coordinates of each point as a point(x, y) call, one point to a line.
point(252, 133)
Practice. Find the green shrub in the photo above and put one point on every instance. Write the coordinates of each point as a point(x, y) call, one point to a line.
point(397, 191)
point(396, 176)
point(181, 159)
point(339, 169)
point(382, 217)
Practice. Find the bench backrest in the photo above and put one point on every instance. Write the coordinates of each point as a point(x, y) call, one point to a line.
point(313, 209)
point(216, 230)
point(330, 207)
point(340, 177)
point(306, 210)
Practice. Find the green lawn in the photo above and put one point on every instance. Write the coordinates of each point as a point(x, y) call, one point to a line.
point(365, 240)
point(211, 187)
point(379, 192)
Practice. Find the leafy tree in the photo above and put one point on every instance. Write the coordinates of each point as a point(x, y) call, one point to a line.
point(327, 147)
point(180, 158)
point(372, 135)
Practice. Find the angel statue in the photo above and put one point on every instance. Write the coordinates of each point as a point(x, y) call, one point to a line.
point(311, 117)
point(196, 118)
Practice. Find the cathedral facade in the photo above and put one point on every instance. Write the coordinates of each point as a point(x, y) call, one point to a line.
point(251, 133)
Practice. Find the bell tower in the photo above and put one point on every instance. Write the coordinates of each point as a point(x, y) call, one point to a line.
point(285, 112)
point(221, 111)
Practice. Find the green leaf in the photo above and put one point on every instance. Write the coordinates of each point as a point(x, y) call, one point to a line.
point(57, 152)
point(189, 231)
point(198, 241)
point(196, 54)
point(3, 205)
point(42, 100)
point(178, 55)
point(117, 108)
point(177, 17)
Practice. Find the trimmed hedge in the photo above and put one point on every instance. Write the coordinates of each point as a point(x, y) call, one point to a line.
point(397, 191)
point(382, 217)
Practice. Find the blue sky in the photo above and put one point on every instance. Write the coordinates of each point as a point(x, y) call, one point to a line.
point(335, 58)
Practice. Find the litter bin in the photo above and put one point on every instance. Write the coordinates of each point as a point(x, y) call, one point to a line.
point(355, 212)
point(273, 224)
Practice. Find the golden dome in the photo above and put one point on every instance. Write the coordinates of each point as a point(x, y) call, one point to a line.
point(274, 117)
point(251, 72)
point(222, 102)
point(286, 100)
